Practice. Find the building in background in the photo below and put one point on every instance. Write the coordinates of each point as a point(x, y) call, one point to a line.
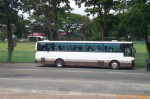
point(36, 37)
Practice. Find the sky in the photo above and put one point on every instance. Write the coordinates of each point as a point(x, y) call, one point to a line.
point(77, 9)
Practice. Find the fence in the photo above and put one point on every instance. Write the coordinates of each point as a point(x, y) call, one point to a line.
point(29, 57)
point(18, 56)
point(140, 59)
point(139, 42)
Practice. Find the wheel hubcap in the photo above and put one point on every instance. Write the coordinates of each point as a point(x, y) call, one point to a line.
point(59, 64)
point(114, 65)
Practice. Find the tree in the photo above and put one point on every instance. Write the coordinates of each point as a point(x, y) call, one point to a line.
point(9, 16)
point(3, 34)
point(94, 29)
point(50, 9)
point(136, 20)
point(101, 8)
point(38, 24)
point(75, 22)
point(21, 28)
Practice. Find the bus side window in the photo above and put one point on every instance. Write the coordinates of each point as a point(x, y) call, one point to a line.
point(110, 49)
point(68, 49)
point(55, 48)
point(105, 49)
point(83, 50)
point(97, 49)
point(74, 48)
point(89, 48)
point(59, 48)
point(42, 47)
point(100, 49)
point(50, 49)
point(39, 47)
point(77, 49)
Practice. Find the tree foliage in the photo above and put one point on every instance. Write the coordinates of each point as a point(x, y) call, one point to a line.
point(112, 19)
point(50, 9)
point(131, 18)
point(9, 17)
point(100, 8)
point(75, 22)
point(137, 21)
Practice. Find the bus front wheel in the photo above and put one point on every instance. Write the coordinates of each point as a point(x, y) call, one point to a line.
point(114, 65)
point(59, 63)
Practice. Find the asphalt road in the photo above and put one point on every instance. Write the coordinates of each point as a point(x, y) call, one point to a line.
point(44, 78)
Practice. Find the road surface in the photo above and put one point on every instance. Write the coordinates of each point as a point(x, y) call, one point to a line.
point(39, 78)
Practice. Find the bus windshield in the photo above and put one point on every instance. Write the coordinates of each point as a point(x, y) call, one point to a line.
point(128, 50)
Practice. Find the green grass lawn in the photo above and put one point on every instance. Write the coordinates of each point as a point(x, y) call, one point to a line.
point(141, 55)
point(140, 48)
point(25, 52)
point(21, 46)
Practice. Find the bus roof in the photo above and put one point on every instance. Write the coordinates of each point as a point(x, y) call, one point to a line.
point(125, 42)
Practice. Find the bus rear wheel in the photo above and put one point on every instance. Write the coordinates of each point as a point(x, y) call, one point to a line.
point(114, 65)
point(59, 63)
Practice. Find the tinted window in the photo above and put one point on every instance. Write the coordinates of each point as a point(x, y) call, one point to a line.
point(81, 47)
point(62, 46)
point(94, 47)
point(42, 46)
point(49, 47)
point(112, 48)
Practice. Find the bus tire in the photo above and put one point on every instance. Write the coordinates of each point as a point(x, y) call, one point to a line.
point(114, 65)
point(59, 63)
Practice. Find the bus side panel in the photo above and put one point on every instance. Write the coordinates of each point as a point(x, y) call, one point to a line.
point(71, 58)
point(81, 58)
point(87, 58)
point(84, 58)
point(44, 57)
point(103, 59)
point(127, 62)
point(94, 59)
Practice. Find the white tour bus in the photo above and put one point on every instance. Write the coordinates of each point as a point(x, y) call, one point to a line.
point(111, 54)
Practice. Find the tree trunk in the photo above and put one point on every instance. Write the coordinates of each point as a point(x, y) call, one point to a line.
point(10, 41)
point(82, 35)
point(146, 42)
point(102, 30)
point(101, 24)
point(68, 36)
point(49, 28)
point(50, 33)
point(55, 26)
